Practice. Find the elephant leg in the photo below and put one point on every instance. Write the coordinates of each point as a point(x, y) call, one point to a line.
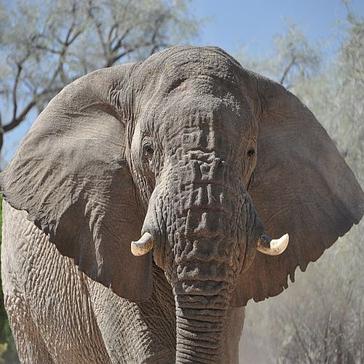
point(29, 343)
point(142, 333)
point(233, 329)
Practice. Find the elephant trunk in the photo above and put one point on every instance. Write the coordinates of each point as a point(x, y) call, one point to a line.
point(207, 263)
point(199, 326)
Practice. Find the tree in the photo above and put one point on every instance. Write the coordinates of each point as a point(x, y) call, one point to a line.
point(294, 58)
point(63, 40)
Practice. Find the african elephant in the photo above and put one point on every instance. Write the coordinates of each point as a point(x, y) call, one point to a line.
point(139, 208)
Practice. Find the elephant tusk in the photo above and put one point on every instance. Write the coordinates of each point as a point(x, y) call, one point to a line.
point(143, 246)
point(273, 247)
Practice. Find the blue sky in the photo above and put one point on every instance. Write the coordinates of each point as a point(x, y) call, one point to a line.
point(233, 24)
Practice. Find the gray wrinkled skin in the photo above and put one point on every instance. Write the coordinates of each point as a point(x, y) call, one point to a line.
point(200, 153)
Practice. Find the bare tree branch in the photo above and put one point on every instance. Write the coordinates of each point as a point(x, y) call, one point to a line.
point(17, 120)
point(301, 341)
point(15, 87)
point(287, 69)
point(98, 26)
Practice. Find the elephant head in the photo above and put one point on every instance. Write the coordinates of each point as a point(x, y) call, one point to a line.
point(196, 160)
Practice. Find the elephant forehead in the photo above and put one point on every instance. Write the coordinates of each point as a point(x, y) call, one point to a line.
point(190, 64)
point(167, 70)
point(198, 100)
point(195, 88)
point(191, 61)
point(205, 121)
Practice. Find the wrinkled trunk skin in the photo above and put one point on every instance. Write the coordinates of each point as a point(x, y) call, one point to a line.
point(212, 338)
point(199, 333)
point(203, 277)
point(208, 254)
point(211, 231)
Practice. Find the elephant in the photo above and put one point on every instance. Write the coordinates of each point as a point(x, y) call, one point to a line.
point(150, 201)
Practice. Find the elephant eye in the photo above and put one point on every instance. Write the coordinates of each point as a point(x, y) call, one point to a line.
point(148, 151)
point(251, 152)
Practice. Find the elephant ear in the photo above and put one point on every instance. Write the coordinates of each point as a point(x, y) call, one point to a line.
point(71, 176)
point(301, 185)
